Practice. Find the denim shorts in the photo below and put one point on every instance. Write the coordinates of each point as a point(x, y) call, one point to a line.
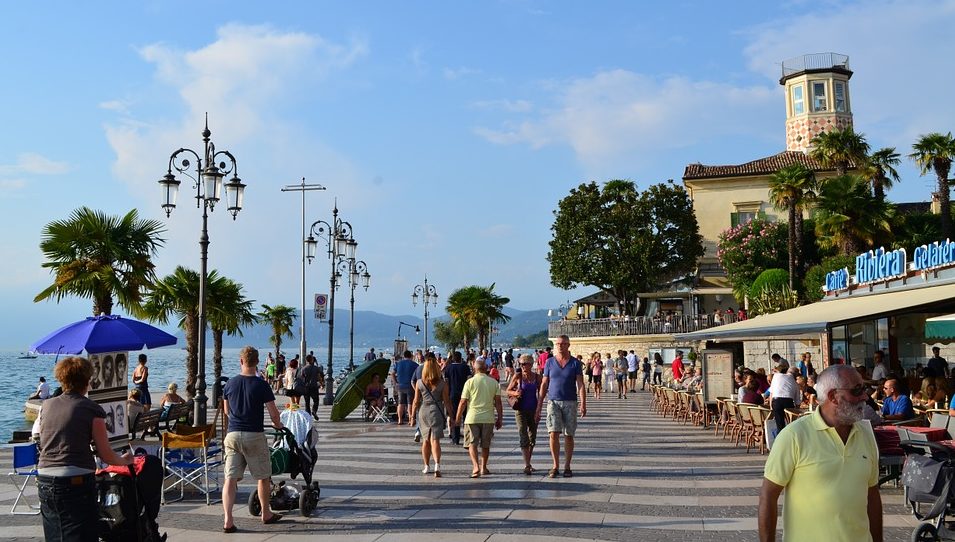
point(562, 417)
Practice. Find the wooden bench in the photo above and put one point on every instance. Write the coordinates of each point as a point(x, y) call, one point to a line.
point(148, 423)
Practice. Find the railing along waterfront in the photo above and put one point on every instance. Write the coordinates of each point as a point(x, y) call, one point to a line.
point(639, 325)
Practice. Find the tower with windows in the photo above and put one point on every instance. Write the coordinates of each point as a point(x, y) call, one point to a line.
point(817, 97)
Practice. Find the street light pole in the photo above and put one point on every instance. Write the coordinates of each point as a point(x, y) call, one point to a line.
point(303, 188)
point(208, 185)
point(358, 270)
point(428, 294)
point(341, 246)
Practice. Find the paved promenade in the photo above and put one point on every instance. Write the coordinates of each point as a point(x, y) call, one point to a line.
point(637, 477)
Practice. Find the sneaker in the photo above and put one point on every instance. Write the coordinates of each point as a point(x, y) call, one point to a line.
point(425, 470)
point(417, 436)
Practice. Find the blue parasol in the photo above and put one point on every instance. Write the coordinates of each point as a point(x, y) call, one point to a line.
point(97, 334)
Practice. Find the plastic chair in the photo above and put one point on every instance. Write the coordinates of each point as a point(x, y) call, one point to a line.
point(25, 457)
point(190, 456)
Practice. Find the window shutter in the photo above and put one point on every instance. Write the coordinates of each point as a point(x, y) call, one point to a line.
point(734, 220)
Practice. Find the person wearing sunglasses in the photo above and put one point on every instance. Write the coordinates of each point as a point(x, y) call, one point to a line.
point(829, 456)
point(896, 406)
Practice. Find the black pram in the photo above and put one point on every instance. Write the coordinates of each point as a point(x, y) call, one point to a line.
point(129, 500)
point(293, 458)
point(927, 481)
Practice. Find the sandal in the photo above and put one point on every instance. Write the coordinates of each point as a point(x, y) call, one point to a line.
point(476, 474)
point(274, 519)
point(528, 470)
point(568, 473)
point(485, 472)
point(229, 530)
point(553, 473)
point(437, 474)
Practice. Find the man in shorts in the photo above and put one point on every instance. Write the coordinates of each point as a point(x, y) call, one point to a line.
point(620, 366)
point(402, 374)
point(632, 367)
point(563, 387)
point(481, 397)
point(245, 398)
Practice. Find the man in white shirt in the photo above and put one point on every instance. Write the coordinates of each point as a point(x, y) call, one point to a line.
point(784, 393)
point(879, 372)
point(42, 390)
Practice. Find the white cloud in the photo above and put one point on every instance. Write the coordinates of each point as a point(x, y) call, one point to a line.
point(620, 112)
point(30, 163)
point(460, 72)
point(497, 231)
point(118, 106)
point(511, 106)
point(11, 185)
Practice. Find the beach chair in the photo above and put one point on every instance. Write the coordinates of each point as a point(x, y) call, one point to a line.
point(191, 458)
point(25, 457)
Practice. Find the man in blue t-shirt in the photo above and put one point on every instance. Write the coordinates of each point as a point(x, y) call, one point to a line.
point(245, 397)
point(403, 374)
point(562, 386)
point(897, 406)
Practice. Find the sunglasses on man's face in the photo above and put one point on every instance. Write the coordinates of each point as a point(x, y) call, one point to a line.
point(855, 391)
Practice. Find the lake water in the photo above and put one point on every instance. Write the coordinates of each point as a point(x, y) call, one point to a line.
point(166, 365)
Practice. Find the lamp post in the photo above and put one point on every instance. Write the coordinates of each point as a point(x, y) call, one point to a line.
point(561, 310)
point(303, 188)
point(357, 271)
point(341, 246)
point(208, 185)
point(428, 295)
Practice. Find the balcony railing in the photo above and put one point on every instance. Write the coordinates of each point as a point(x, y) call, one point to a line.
point(816, 61)
point(640, 325)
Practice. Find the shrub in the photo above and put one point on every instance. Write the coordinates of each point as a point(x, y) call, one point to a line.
point(816, 276)
point(771, 279)
point(750, 248)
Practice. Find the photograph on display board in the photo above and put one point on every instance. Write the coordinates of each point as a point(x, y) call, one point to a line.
point(122, 369)
point(109, 370)
point(116, 421)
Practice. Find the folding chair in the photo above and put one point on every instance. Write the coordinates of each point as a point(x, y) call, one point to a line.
point(25, 457)
point(190, 456)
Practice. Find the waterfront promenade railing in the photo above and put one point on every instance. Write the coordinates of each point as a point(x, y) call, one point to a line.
point(639, 325)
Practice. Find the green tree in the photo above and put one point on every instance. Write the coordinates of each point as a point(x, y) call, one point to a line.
point(748, 249)
point(881, 172)
point(849, 218)
point(839, 149)
point(177, 295)
point(917, 229)
point(788, 190)
point(280, 318)
point(228, 311)
point(534, 340)
point(816, 275)
point(623, 241)
point(476, 308)
point(934, 152)
point(449, 334)
point(101, 257)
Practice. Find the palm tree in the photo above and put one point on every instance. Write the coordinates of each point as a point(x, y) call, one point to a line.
point(849, 217)
point(934, 152)
point(281, 318)
point(880, 169)
point(477, 308)
point(228, 311)
point(177, 295)
point(101, 257)
point(839, 149)
point(787, 191)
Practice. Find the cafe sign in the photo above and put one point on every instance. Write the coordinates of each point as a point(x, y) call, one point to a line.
point(880, 265)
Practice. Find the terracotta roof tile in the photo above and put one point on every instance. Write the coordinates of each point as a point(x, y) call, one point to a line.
point(762, 166)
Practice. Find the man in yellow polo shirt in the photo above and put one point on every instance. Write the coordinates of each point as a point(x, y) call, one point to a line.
point(481, 397)
point(828, 463)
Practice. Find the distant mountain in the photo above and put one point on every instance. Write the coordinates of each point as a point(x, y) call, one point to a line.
point(374, 329)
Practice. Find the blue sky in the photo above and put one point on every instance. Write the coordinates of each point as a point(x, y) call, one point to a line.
point(447, 131)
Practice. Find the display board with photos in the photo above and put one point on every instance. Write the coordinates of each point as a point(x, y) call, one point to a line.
point(109, 387)
point(718, 378)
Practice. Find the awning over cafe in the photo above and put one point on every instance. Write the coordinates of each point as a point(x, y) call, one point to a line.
point(940, 327)
point(817, 317)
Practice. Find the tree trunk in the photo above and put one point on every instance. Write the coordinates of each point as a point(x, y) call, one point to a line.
point(792, 243)
point(800, 264)
point(102, 304)
point(878, 189)
point(944, 201)
point(217, 354)
point(192, 353)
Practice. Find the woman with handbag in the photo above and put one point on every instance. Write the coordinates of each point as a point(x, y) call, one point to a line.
point(522, 397)
point(431, 395)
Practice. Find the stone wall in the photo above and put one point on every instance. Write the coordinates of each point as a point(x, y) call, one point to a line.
point(640, 344)
point(756, 354)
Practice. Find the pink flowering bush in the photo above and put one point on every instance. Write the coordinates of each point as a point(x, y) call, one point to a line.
point(750, 248)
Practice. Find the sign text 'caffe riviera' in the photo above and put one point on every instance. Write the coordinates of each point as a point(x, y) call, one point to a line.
point(879, 265)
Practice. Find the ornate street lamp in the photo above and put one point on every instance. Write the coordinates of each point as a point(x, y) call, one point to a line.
point(341, 246)
point(428, 295)
point(210, 168)
point(358, 271)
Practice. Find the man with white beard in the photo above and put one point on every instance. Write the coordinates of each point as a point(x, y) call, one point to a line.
point(829, 457)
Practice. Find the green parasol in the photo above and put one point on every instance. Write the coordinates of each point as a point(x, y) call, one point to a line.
point(351, 392)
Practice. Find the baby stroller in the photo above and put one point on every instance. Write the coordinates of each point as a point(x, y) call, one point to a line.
point(128, 501)
point(927, 484)
point(293, 458)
